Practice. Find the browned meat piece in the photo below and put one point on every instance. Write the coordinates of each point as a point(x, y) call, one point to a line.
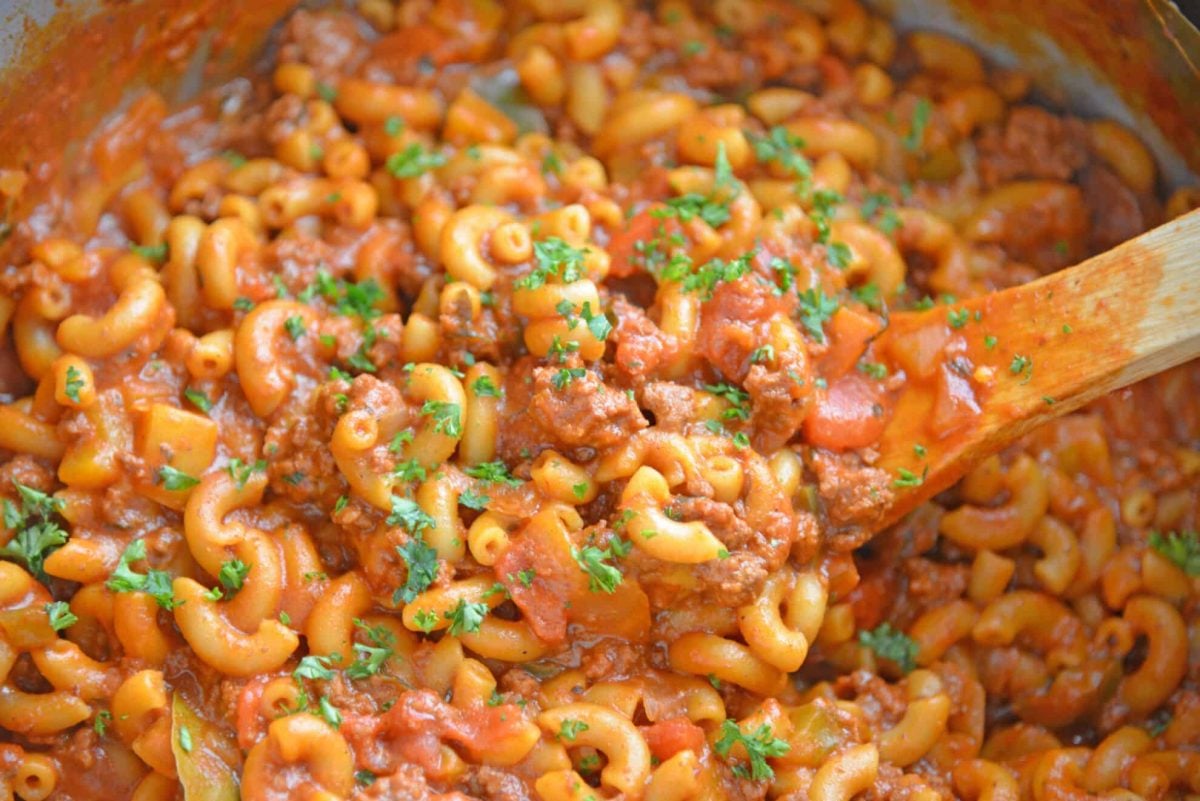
point(734, 581)
point(1033, 143)
point(641, 346)
point(329, 41)
point(779, 403)
point(584, 412)
point(670, 403)
point(492, 784)
point(1114, 209)
point(854, 494)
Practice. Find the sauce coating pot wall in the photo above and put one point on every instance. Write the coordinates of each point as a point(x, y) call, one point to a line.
point(65, 64)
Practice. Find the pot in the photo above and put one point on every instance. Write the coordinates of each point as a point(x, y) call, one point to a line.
point(66, 64)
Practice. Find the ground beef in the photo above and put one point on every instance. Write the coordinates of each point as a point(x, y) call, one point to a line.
point(1032, 143)
point(282, 118)
point(329, 41)
point(584, 412)
point(883, 703)
point(721, 518)
point(670, 403)
point(296, 260)
point(1113, 208)
point(1049, 233)
point(934, 584)
point(26, 470)
point(493, 784)
point(408, 783)
point(735, 581)
point(734, 324)
point(779, 403)
point(609, 659)
point(641, 346)
point(519, 682)
point(854, 495)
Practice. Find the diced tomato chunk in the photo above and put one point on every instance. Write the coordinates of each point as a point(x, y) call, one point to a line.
point(852, 413)
point(668, 737)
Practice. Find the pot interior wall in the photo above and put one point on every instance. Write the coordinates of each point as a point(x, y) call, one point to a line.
point(66, 64)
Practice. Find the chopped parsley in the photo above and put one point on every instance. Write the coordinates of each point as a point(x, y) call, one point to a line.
point(331, 714)
point(877, 207)
point(74, 383)
point(198, 399)
point(370, 658)
point(916, 129)
point(958, 317)
point(447, 417)
point(759, 744)
point(783, 147)
point(414, 161)
point(493, 473)
point(314, 667)
point(473, 500)
point(37, 534)
point(294, 326)
point(174, 480)
point(393, 125)
point(153, 253)
point(60, 615)
point(466, 617)
point(815, 311)
point(408, 515)
point(705, 279)
point(907, 478)
point(348, 298)
point(553, 256)
point(156, 583)
point(787, 275)
point(485, 387)
point(602, 577)
point(410, 470)
point(565, 375)
point(552, 164)
point(736, 398)
point(763, 354)
point(185, 739)
point(596, 322)
point(839, 254)
point(570, 729)
point(425, 620)
point(241, 472)
point(1181, 548)
point(326, 92)
point(874, 369)
point(823, 203)
point(233, 574)
point(422, 564)
point(1021, 364)
point(713, 208)
point(894, 646)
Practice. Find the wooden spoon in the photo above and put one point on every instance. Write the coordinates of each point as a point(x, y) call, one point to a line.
point(987, 370)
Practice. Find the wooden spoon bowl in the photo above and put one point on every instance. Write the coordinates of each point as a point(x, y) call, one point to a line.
point(985, 371)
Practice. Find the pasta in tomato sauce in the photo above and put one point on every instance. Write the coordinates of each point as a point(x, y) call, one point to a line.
point(481, 404)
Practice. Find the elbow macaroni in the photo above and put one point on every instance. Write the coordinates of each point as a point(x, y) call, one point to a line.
point(468, 442)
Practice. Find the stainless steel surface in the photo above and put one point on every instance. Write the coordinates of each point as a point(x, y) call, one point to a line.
point(1007, 30)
